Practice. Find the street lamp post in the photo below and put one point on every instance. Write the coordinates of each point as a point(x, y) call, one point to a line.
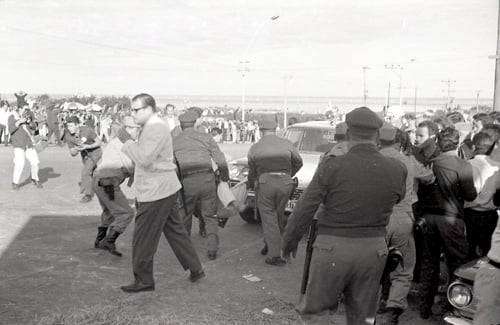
point(286, 79)
point(365, 91)
point(244, 69)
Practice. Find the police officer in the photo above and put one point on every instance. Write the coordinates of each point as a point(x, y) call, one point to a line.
point(272, 163)
point(340, 148)
point(194, 152)
point(112, 170)
point(400, 227)
point(358, 191)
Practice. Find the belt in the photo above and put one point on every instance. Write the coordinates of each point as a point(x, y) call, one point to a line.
point(185, 174)
point(278, 173)
point(495, 264)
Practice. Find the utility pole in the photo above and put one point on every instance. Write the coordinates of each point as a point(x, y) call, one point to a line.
point(496, 95)
point(477, 100)
point(448, 92)
point(365, 91)
point(398, 70)
point(244, 70)
point(415, 103)
point(286, 79)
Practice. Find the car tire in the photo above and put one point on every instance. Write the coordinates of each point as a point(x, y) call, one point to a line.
point(249, 217)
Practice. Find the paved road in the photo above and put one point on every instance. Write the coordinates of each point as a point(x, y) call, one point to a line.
point(48, 265)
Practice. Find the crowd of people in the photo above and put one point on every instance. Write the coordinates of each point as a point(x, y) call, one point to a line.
point(381, 180)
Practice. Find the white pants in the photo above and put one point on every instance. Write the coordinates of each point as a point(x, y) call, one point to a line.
point(19, 156)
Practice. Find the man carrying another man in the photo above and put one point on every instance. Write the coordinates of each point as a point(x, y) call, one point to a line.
point(112, 170)
point(194, 152)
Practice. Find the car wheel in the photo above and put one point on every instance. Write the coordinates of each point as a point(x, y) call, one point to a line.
point(249, 217)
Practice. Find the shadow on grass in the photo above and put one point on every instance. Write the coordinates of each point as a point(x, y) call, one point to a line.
point(44, 175)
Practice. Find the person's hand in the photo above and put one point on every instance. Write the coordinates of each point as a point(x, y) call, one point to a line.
point(82, 147)
point(123, 135)
point(290, 249)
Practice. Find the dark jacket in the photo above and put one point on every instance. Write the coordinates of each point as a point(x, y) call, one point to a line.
point(272, 154)
point(20, 137)
point(358, 190)
point(454, 185)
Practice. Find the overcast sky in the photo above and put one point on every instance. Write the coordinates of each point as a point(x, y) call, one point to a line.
point(194, 47)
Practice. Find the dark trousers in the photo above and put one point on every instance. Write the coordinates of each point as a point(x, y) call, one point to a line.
point(89, 164)
point(273, 193)
point(446, 233)
point(116, 213)
point(151, 220)
point(54, 129)
point(480, 227)
point(349, 266)
point(200, 194)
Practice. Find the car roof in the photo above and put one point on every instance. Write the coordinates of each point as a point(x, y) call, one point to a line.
point(313, 125)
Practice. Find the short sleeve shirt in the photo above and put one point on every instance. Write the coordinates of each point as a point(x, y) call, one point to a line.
point(85, 136)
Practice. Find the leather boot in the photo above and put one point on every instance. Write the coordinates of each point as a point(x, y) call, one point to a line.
point(393, 315)
point(101, 234)
point(108, 243)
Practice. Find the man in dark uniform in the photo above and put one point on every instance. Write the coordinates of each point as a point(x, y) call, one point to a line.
point(194, 152)
point(272, 163)
point(358, 191)
point(83, 140)
point(112, 170)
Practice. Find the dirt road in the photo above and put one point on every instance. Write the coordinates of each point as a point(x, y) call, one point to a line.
point(51, 274)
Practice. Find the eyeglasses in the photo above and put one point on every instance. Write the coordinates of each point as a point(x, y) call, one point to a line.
point(138, 109)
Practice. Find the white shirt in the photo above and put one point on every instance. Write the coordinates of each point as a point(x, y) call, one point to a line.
point(4, 116)
point(486, 175)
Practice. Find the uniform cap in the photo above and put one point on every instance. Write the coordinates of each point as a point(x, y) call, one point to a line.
point(341, 128)
point(130, 122)
point(267, 125)
point(188, 118)
point(73, 119)
point(363, 120)
point(387, 132)
point(197, 110)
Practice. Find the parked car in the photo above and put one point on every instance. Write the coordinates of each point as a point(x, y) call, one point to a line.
point(312, 139)
point(460, 294)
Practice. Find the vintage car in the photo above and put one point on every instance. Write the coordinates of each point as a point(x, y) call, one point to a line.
point(461, 294)
point(312, 139)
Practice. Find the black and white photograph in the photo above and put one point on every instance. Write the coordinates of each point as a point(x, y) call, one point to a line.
point(249, 162)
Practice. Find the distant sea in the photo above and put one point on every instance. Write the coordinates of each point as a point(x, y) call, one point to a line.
point(301, 103)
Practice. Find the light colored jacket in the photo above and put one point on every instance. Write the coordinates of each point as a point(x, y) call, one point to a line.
point(155, 175)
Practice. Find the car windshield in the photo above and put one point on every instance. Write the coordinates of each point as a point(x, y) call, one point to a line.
point(311, 140)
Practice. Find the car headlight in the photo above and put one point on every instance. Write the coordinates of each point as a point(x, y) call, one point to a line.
point(239, 172)
point(459, 295)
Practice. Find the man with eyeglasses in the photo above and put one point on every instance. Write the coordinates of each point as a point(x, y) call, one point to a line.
point(157, 187)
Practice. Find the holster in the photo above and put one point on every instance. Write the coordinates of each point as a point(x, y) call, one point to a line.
point(108, 184)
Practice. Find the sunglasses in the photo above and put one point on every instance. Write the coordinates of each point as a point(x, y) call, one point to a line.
point(139, 108)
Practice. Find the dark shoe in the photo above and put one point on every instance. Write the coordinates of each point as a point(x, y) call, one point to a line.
point(86, 199)
point(264, 250)
point(276, 261)
point(425, 313)
point(222, 222)
point(108, 243)
point(101, 234)
point(393, 315)
point(212, 255)
point(195, 276)
point(382, 308)
point(15, 187)
point(37, 183)
point(138, 287)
